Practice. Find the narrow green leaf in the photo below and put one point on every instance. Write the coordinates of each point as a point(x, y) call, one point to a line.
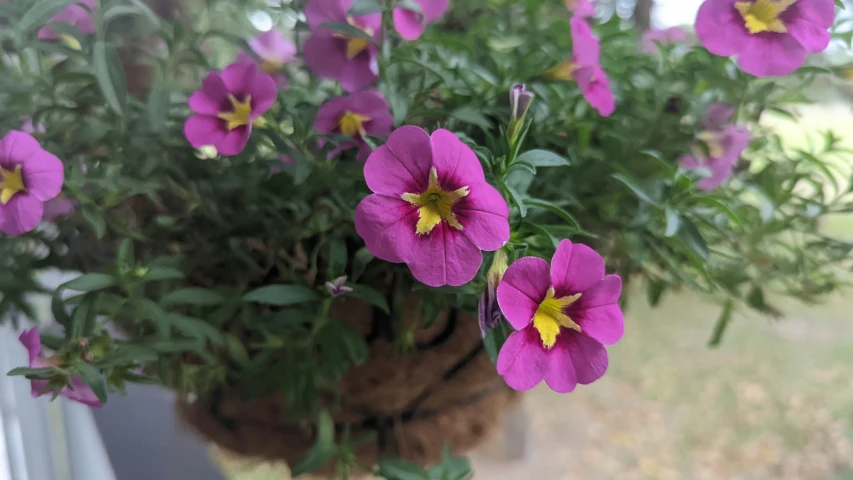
point(673, 222)
point(104, 61)
point(543, 158)
point(159, 273)
point(472, 116)
point(536, 203)
point(89, 282)
point(337, 258)
point(363, 7)
point(691, 236)
point(323, 451)
point(640, 191)
point(196, 327)
point(35, 372)
point(158, 105)
point(193, 296)
point(348, 30)
point(125, 257)
point(96, 220)
point(93, 378)
point(519, 201)
point(722, 323)
point(399, 469)
point(371, 296)
point(83, 317)
point(39, 13)
point(281, 295)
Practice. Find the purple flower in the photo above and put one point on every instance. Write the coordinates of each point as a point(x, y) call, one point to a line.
point(79, 391)
point(27, 126)
point(360, 114)
point(585, 69)
point(581, 8)
point(520, 99)
point(349, 60)
point(274, 52)
point(58, 206)
point(74, 15)
point(667, 36)
point(336, 287)
point(725, 144)
point(29, 177)
point(410, 24)
point(769, 37)
point(227, 106)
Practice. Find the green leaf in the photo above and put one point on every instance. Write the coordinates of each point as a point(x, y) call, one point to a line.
point(494, 340)
point(159, 273)
point(543, 158)
point(39, 13)
point(158, 105)
point(237, 350)
point(107, 68)
point(337, 258)
point(96, 220)
point(535, 203)
point(348, 30)
point(472, 116)
point(93, 378)
point(722, 323)
point(193, 296)
point(518, 200)
point(359, 264)
point(722, 208)
point(399, 469)
point(371, 296)
point(84, 315)
point(196, 327)
point(410, 5)
point(451, 468)
point(281, 295)
point(35, 372)
point(363, 7)
point(322, 452)
point(840, 4)
point(89, 282)
point(691, 236)
point(640, 191)
point(673, 222)
point(125, 257)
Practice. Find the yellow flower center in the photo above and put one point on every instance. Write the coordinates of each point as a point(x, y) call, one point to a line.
point(564, 71)
point(271, 66)
point(436, 205)
point(352, 124)
point(11, 183)
point(551, 315)
point(240, 115)
point(763, 15)
point(356, 45)
point(713, 141)
point(70, 41)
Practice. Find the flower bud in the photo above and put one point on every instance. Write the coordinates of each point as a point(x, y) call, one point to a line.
point(488, 311)
point(520, 99)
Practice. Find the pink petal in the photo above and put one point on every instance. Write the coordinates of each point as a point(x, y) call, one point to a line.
point(325, 55)
point(433, 9)
point(43, 175)
point(522, 289)
point(689, 161)
point(588, 356)
point(720, 28)
point(21, 214)
point(213, 96)
point(233, 141)
point(559, 372)
point(483, 214)
point(595, 87)
point(717, 116)
point(17, 147)
point(455, 162)
point(402, 165)
point(598, 313)
point(444, 257)
point(57, 207)
point(575, 268)
point(372, 21)
point(387, 226)
point(771, 56)
point(239, 77)
point(31, 340)
point(735, 139)
point(329, 114)
point(408, 24)
point(585, 46)
point(37, 387)
point(318, 12)
point(272, 46)
point(81, 393)
point(522, 362)
point(263, 90)
point(820, 12)
point(813, 38)
point(720, 168)
point(202, 130)
point(373, 105)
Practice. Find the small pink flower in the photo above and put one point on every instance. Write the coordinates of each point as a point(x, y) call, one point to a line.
point(563, 317)
point(79, 391)
point(274, 52)
point(58, 206)
point(410, 25)
point(74, 15)
point(770, 37)
point(27, 126)
point(226, 107)
point(581, 8)
point(29, 177)
point(431, 207)
point(725, 144)
point(360, 114)
point(667, 36)
point(349, 60)
point(337, 287)
point(585, 69)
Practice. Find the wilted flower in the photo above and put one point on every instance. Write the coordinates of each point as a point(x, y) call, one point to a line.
point(410, 24)
point(667, 36)
point(431, 207)
point(351, 60)
point(227, 106)
point(58, 206)
point(336, 287)
point(74, 15)
point(769, 37)
point(29, 177)
point(78, 391)
point(274, 52)
point(355, 116)
point(563, 317)
point(489, 312)
point(725, 143)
